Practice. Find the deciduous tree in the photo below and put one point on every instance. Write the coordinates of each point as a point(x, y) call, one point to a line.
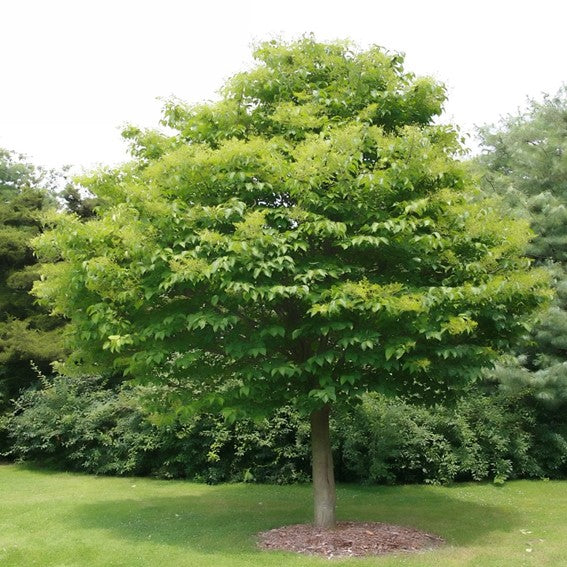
point(303, 240)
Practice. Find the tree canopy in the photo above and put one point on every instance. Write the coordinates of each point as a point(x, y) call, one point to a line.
point(306, 238)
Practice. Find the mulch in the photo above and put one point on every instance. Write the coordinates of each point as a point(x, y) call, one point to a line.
point(348, 539)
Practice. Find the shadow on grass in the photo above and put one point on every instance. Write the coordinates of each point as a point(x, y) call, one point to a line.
point(227, 518)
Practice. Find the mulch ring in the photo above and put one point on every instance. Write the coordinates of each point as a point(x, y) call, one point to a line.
point(348, 539)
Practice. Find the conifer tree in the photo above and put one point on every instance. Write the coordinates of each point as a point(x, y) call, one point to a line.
point(28, 334)
point(525, 161)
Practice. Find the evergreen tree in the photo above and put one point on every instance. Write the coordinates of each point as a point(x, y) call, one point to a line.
point(525, 161)
point(28, 334)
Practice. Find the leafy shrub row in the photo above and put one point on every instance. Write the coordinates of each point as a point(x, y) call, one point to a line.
point(84, 425)
point(483, 437)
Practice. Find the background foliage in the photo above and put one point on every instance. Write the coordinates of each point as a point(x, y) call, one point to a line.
point(83, 424)
point(29, 336)
point(525, 161)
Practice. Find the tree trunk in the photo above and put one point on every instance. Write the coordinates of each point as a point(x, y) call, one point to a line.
point(323, 473)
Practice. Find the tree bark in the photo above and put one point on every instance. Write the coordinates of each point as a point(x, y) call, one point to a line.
point(324, 497)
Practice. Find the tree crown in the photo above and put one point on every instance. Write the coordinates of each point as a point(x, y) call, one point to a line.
point(304, 239)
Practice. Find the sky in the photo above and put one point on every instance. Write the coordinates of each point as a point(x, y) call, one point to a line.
point(75, 71)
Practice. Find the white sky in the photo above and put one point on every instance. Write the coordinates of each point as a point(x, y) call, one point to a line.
point(74, 71)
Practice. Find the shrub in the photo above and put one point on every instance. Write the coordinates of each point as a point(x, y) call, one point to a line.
point(80, 424)
point(482, 438)
point(83, 424)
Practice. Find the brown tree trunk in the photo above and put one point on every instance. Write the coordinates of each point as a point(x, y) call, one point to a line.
point(323, 473)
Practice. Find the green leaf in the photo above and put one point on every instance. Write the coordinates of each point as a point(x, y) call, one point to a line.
point(274, 331)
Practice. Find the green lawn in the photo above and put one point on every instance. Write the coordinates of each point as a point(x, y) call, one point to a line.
point(58, 519)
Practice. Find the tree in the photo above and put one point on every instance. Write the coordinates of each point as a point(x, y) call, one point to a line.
point(525, 162)
point(301, 241)
point(27, 333)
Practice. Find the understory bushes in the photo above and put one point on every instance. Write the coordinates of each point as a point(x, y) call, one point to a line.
point(85, 425)
point(81, 424)
point(390, 442)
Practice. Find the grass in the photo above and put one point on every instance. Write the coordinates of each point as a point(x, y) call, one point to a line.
point(59, 519)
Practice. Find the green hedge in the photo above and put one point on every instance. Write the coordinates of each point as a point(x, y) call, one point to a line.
point(83, 424)
point(390, 442)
